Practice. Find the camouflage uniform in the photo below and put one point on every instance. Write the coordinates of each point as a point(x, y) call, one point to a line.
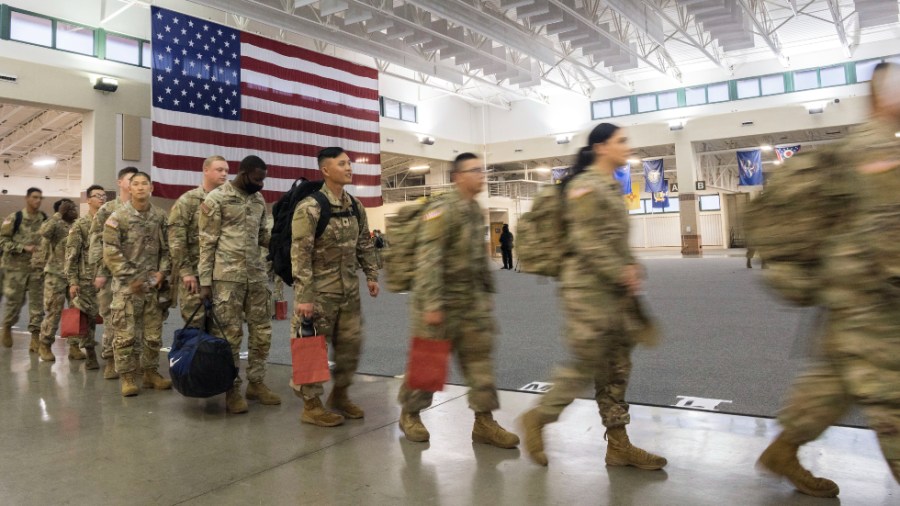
point(135, 246)
point(54, 232)
point(861, 352)
point(325, 273)
point(453, 276)
point(184, 244)
point(21, 277)
point(232, 231)
point(79, 273)
point(95, 260)
point(593, 301)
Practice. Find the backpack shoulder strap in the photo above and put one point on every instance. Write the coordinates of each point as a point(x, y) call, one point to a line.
point(325, 215)
point(17, 223)
point(42, 214)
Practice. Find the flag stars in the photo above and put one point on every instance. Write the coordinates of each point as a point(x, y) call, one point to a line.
point(206, 87)
point(199, 75)
point(219, 32)
point(206, 66)
point(206, 107)
point(168, 70)
point(233, 36)
point(159, 36)
point(168, 91)
point(184, 72)
point(206, 47)
point(191, 63)
point(169, 49)
point(176, 81)
point(205, 28)
point(199, 37)
point(199, 95)
point(175, 20)
point(234, 112)
point(221, 90)
point(159, 99)
point(227, 44)
point(221, 110)
point(159, 56)
point(214, 78)
point(168, 28)
point(199, 56)
point(221, 51)
point(212, 39)
point(176, 102)
point(177, 61)
point(176, 40)
point(191, 43)
point(159, 78)
point(213, 59)
point(183, 93)
point(190, 23)
point(159, 15)
point(191, 103)
point(184, 52)
point(227, 63)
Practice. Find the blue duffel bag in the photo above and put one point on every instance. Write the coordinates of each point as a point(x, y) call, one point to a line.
point(200, 364)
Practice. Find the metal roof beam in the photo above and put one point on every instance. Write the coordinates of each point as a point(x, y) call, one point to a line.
point(835, 7)
point(759, 17)
point(682, 29)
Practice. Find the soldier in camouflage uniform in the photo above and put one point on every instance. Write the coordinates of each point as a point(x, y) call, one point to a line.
point(136, 251)
point(54, 232)
point(598, 280)
point(101, 272)
point(326, 284)
point(80, 274)
point(860, 360)
point(21, 277)
point(184, 238)
point(233, 232)
point(451, 299)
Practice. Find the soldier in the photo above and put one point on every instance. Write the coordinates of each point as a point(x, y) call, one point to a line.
point(136, 251)
point(599, 278)
point(232, 273)
point(184, 238)
point(101, 272)
point(54, 232)
point(860, 359)
point(79, 273)
point(326, 284)
point(451, 299)
point(20, 238)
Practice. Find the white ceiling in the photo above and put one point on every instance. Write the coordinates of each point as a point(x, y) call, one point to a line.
point(29, 134)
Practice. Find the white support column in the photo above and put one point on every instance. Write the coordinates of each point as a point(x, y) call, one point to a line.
point(687, 163)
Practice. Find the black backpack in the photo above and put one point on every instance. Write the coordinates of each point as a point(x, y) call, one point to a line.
point(18, 221)
point(283, 211)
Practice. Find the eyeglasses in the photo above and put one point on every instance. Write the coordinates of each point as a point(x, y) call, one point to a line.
point(98, 196)
point(476, 170)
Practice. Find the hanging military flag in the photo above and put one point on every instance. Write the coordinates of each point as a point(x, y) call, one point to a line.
point(653, 176)
point(750, 167)
point(623, 176)
point(633, 199)
point(785, 152)
point(660, 199)
point(557, 174)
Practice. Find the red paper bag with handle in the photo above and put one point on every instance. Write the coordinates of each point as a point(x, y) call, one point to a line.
point(73, 323)
point(428, 364)
point(309, 356)
point(281, 310)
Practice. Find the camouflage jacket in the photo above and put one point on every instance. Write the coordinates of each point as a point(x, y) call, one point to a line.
point(232, 232)
point(451, 261)
point(54, 232)
point(329, 264)
point(78, 271)
point(15, 258)
point(135, 243)
point(95, 256)
point(184, 232)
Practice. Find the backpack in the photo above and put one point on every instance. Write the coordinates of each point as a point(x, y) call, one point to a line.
point(17, 224)
point(283, 211)
point(200, 364)
point(379, 242)
point(542, 233)
point(400, 258)
point(800, 207)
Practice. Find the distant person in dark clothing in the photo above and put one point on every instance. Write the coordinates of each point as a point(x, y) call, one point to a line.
point(506, 247)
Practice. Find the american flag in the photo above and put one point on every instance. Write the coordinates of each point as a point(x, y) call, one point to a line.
point(220, 91)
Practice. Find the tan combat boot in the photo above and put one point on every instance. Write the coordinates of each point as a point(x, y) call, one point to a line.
point(620, 452)
point(129, 388)
point(6, 337)
point(234, 401)
point(413, 428)
point(316, 414)
point(45, 353)
point(75, 353)
point(91, 360)
point(781, 458)
point(486, 430)
point(339, 401)
point(532, 424)
point(35, 343)
point(152, 379)
point(260, 392)
point(109, 370)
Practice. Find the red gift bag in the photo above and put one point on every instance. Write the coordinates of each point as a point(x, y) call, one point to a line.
point(73, 323)
point(98, 320)
point(309, 359)
point(429, 361)
point(281, 310)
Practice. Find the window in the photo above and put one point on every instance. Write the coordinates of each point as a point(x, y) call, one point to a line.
point(31, 29)
point(74, 38)
point(668, 100)
point(717, 92)
point(640, 210)
point(646, 103)
point(864, 70)
point(893, 59)
point(123, 49)
point(772, 85)
point(674, 205)
point(710, 203)
point(601, 109)
point(833, 76)
point(748, 88)
point(695, 96)
point(146, 55)
point(395, 109)
point(806, 80)
point(408, 112)
point(621, 106)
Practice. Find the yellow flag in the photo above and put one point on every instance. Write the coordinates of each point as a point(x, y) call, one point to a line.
point(633, 199)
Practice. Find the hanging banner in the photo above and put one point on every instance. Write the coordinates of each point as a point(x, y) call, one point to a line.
point(785, 152)
point(633, 199)
point(660, 199)
point(653, 176)
point(750, 167)
point(557, 174)
point(623, 176)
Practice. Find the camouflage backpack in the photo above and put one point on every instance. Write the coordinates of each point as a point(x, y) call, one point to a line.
point(789, 224)
point(400, 258)
point(541, 240)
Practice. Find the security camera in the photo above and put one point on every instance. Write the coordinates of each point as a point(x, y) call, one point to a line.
point(837, 101)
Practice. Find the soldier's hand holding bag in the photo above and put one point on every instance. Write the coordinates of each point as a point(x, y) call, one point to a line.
point(309, 356)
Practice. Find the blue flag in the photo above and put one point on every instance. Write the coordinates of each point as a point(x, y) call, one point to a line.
point(623, 176)
point(660, 199)
point(558, 173)
point(653, 176)
point(750, 167)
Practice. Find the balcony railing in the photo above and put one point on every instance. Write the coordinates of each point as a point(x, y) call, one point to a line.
point(517, 189)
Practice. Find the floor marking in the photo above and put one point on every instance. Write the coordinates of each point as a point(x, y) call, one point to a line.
point(686, 401)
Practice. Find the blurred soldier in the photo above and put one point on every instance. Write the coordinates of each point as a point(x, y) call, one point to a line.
point(599, 278)
point(451, 299)
point(184, 238)
point(101, 272)
point(232, 273)
point(326, 284)
point(861, 353)
point(54, 232)
point(136, 251)
point(20, 238)
point(79, 272)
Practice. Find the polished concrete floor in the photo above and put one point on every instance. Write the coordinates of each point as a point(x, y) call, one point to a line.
point(68, 437)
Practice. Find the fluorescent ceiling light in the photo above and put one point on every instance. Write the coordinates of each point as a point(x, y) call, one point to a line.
point(765, 147)
point(542, 170)
point(44, 162)
point(419, 168)
point(634, 160)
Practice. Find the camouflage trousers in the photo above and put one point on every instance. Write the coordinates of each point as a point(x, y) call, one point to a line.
point(86, 302)
point(279, 288)
point(17, 285)
point(339, 319)
point(136, 322)
point(235, 302)
point(104, 300)
point(470, 327)
point(56, 291)
point(600, 352)
point(190, 302)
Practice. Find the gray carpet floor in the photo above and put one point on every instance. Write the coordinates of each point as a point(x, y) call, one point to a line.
point(725, 337)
